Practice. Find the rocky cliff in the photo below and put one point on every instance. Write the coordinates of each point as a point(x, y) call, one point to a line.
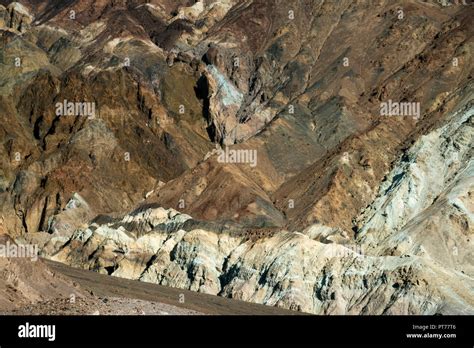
point(115, 115)
point(412, 253)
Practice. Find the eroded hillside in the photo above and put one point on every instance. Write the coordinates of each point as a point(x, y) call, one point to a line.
point(119, 120)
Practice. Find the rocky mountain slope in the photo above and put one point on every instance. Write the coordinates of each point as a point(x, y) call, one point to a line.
point(331, 208)
point(412, 253)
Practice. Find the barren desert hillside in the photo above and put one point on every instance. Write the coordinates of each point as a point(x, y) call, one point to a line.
point(310, 155)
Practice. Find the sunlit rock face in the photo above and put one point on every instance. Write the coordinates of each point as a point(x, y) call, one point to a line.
point(225, 101)
point(343, 207)
point(15, 17)
point(425, 205)
point(291, 270)
point(395, 266)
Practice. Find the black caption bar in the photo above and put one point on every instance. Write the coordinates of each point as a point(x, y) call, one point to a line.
point(262, 330)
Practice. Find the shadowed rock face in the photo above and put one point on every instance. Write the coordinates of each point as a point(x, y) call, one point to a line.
point(298, 84)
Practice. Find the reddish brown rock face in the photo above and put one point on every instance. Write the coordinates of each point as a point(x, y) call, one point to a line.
point(300, 83)
point(265, 115)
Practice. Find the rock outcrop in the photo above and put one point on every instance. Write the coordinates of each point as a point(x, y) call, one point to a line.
point(290, 270)
point(112, 114)
point(411, 254)
point(424, 206)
